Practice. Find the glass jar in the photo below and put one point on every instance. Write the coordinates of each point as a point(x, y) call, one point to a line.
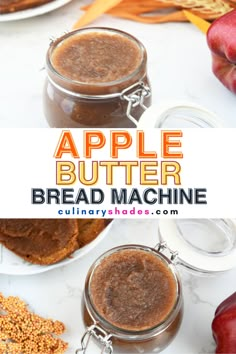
point(203, 246)
point(155, 338)
point(70, 103)
point(179, 114)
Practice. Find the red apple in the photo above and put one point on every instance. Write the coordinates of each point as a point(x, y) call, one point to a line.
point(224, 326)
point(221, 39)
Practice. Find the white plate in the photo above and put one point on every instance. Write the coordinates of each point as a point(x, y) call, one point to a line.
point(11, 264)
point(35, 11)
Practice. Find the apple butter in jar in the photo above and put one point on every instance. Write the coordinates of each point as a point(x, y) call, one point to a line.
point(96, 78)
point(132, 301)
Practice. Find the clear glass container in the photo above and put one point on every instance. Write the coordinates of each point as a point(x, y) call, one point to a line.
point(203, 246)
point(179, 114)
point(114, 104)
point(153, 339)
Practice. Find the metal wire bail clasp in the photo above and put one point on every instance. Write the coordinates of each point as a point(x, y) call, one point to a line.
point(135, 95)
point(53, 39)
point(100, 335)
point(162, 246)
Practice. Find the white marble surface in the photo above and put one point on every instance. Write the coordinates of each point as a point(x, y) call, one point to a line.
point(58, 293)
point(179, 64)
point(179, 68)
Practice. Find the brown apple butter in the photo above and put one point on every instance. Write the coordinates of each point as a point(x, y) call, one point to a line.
point(87, 73)
point(96, 57)
point(133, 290)
point(132, 300)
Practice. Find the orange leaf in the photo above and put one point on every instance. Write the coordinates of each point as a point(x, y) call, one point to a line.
point(197, 21)
point(98, 8)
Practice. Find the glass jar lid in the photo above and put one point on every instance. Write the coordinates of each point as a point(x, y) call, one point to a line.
point(178, 114)
point(203, 245)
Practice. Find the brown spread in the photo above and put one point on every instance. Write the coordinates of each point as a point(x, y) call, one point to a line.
point(133, 290)
point(7, 6)
point(96, 57)
point(47, 241)
point(87, 70)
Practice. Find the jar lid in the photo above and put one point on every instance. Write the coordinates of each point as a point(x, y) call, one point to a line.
point(178, 114)
point(203, 245)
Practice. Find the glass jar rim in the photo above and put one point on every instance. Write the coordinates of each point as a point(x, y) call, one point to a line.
point(81, 84)
point(123, 333)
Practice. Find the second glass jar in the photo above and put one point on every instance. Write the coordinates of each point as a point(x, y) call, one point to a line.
point(150, 313)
